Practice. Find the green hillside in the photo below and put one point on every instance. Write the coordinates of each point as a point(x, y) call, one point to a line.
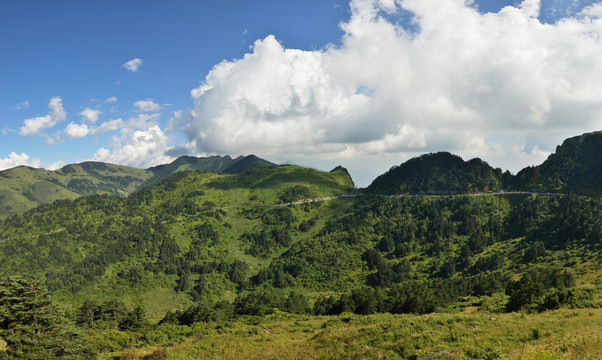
point(206, 236)
point(72, 242)
point(24, 188)
point(202, 247)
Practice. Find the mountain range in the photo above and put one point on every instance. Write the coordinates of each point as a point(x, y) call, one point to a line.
point(23, 188)
point(576, 166)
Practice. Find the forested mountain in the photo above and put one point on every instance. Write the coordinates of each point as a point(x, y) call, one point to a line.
point(23, 188)
point(575, 166)
point(438, 173)
point(192, 217)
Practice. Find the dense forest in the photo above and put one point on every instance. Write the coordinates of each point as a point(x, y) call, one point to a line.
point(204, 248)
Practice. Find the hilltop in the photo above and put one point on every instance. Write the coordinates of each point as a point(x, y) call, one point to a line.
point(438, 173)
point(219, 164)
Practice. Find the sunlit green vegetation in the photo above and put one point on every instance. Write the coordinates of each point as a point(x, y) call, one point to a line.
point(561, 334)
point(219, 265)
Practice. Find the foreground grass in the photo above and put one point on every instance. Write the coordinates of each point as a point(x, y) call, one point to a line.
point(562, 334)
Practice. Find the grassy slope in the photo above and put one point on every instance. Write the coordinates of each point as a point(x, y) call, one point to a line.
point(561, 334)
point(23, 188)
point(91, 178)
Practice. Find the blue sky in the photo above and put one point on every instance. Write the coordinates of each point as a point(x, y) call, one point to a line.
point(366, 84)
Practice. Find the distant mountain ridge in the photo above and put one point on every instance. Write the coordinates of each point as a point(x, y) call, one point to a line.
point(23, 188)
point(220, 164)
point(576, 166)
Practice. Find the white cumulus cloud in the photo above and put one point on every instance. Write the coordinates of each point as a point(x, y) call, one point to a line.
point(90, 115)
point(112, 99)
point(77, 131)
point(133, 65)
point(140, 148)
point(594, 10)
point(56, 114)
point(459, 80)
point(15, 159)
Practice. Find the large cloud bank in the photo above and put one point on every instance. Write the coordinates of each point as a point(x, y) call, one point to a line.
point(492, 85)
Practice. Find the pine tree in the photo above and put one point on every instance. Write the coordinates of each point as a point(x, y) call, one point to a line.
point(33, 327)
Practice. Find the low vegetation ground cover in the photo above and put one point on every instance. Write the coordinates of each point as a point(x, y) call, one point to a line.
point(559, 334)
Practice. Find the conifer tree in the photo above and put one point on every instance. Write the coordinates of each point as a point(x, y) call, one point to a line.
point(33, 327)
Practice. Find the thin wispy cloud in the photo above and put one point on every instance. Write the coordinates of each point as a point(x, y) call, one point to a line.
point(23, 105)
point(146, 106)
point(6, 130)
